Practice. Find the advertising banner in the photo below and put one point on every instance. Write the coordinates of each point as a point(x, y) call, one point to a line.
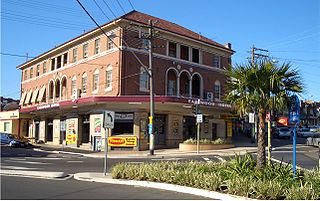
point(71, 137)
point(122, 141)
point(97, 125)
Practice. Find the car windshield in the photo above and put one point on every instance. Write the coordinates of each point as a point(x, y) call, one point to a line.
point(11, 137)
point(284, 129)
point(305, 129)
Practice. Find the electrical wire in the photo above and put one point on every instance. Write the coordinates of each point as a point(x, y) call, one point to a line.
point(109, 9)
point(124, 12)
point(15, 55)
point(131, 5)
point(101, 10)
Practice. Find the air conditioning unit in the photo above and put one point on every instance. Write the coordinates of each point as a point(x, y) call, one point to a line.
point(210, 96)
point(76, 94)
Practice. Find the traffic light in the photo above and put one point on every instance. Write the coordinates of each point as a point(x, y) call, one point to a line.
point(195, 109)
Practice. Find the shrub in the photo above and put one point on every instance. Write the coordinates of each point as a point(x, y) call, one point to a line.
point(206, 141)
point(303, 192)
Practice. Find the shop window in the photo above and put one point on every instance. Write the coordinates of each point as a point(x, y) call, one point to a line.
point(195, 55)
point(184, 52)
point(143, 80)
point(123, 124)
point(85, 50)
point(172, 49)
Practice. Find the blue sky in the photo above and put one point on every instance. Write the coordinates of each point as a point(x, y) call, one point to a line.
point(289, 29)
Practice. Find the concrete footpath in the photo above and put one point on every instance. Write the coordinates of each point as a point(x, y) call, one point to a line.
point(100, 177)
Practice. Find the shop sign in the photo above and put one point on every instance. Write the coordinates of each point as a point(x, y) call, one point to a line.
point(283, 121)
point(208, 103)
point(71, 137)
point(124, 116)
point(42, 107)
point(122, 141)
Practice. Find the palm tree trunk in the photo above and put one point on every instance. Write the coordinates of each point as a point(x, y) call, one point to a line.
point(261, 155)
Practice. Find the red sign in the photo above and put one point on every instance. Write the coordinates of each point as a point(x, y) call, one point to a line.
point(283, 121)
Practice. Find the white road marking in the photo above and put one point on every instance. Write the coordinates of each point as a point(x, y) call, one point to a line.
point(17, 159)
point(18, 168)
point(74, 161)
point(28, 162)
point(134, 162)
point(167, 159)
point(220, 158)
point(43, 158)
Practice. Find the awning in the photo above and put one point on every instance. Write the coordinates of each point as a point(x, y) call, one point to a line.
point(23, 96)
point(41, 93)
point(34, 95)
point(27, 101)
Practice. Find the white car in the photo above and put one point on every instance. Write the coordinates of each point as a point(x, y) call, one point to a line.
point(284, 132)
point(314, 140)
point(306, 132)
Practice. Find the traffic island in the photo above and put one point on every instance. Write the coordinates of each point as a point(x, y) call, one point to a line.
point(205, 144)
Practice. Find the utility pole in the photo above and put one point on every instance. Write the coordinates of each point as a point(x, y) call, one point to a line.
point(151, 117)
point(254, 54)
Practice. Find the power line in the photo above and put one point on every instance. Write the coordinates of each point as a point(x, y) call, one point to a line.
point(16, 55)
point(109, 9)
point(131, 5)
point(121, 7)
point(101, 10)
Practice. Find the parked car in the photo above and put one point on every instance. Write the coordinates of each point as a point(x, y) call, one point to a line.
point(314, 140)
point(283, 132)
point(305, 132)
point(12, 141)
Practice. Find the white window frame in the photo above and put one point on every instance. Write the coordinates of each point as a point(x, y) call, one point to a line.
point(144, 80)
point(214, 61)
point(73, 86)
point(97, 46)
point(44, 67)
point(95, 81)
point(84, 86)
point(75, 55)
point(110, 40)
point(85, 50)
point(108, 83)
point(217, 84)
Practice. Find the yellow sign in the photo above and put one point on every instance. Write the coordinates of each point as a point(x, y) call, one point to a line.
point(71, 139)
point(150, 119)
point(229, 129)
point(122, 141)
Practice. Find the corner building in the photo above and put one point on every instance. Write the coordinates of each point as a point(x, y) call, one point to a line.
point(66, 89)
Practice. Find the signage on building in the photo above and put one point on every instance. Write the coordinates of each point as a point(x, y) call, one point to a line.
point(283, 121)
point(97, 125)
point(122, 141)
point(53, 105)
point(124, 116)
point(208, 103)
point(71, 137)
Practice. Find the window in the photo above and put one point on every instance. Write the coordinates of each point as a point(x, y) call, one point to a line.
point(44, 67)
point(97, 46)
point(84, 84)
point(31, 72)
point(184, 52)
point(144, 80)
point(53, 63)
point(95, 86)
point(65, 58)
point(144, 44)
point(25, 73)
point(216, 61)
point(217, 90)
point(7, 127)
point(38, 70)
point(73, 86)
point(109, 78)
point(195, 55)
point(75, 54)
point(110, 40)
point(172, 49)
point(85, 50)
point(59, 61)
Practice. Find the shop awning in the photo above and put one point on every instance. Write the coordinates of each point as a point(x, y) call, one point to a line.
point(23, 97)
point(27, 101)
point(41, 93)
point(34, 95)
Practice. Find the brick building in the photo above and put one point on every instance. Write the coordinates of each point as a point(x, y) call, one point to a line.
point(66, 88)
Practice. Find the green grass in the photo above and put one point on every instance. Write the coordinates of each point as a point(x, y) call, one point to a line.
point(237, 176)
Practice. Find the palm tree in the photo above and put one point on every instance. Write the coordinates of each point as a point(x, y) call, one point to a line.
point(261, 87)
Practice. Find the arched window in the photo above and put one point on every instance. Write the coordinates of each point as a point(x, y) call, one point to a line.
point(108, 86)
point(196, 86)
point(73, 86)
point(184, 84)
point(51, 90)
point(95, 80)
point(143, 80)
point(171, 83)
point(84, 83)
point(64, 88)
point(57, 88)
point(217, 90)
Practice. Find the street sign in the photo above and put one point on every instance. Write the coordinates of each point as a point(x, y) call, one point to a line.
point(108, 119)
point(251, 118)
point(199, 118)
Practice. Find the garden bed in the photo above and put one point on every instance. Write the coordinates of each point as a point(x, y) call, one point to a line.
point(193, 147)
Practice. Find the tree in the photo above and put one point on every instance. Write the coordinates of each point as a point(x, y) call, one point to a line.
point(262, 87)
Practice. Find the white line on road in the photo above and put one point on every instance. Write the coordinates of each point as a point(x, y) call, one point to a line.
point(74, 161)
point(18, 168)
point(28, 162)
point(43, 158)
point(167, 159)
point(220, 158)
point(18, 159)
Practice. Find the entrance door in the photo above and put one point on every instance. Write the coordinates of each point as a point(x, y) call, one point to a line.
point(160, 130)
point(36, 130)
point(214, 131)
point(50, 131)
point(85, 129)
point(189, 128)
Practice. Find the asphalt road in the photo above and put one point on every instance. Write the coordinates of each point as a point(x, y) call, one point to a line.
point(22, 188)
